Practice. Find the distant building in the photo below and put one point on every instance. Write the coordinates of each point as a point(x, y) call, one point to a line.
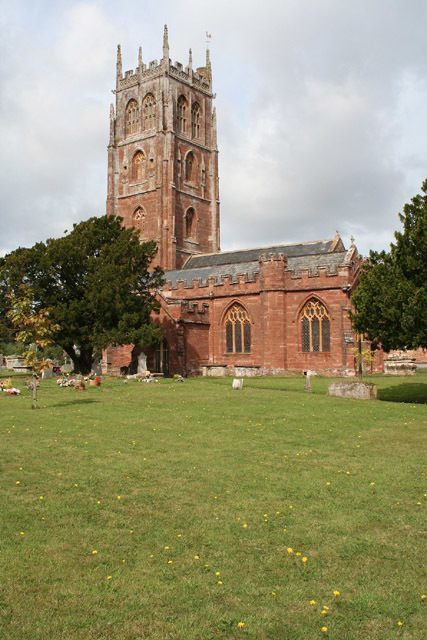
point(262, 310)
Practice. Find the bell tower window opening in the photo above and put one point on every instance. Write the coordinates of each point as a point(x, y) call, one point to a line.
point(195, 121)
point(315, 328)
point(138, 167)
point(237, 330)
point(190, 223)
point(182, 114)
point(148, 112)
point(132, 117)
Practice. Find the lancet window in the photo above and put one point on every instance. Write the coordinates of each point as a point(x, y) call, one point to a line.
point(138, 167)
point(315, 327)
point(148, 112)
point(132, 117)
point(182, 114)
point(190, 223)
point(138, 219)
point(195, 121)
point(237, 330)
point(190, 168)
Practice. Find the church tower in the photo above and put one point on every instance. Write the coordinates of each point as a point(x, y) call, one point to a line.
point(163, 156)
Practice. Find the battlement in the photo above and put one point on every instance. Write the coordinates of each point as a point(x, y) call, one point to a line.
point(200, 79)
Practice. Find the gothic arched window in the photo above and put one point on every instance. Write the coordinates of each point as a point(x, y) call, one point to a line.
point(190, 223)
point(195, 121)
point(182, 114)
point(237, 330)
point(190, 168)
point(148, 112)
point(138, 219)
point(315, 327)
point(138, 167)
point(131, 117)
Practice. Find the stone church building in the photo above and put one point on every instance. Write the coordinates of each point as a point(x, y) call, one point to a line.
point(258, 311)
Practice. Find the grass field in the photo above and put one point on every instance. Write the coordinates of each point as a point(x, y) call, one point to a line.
point(194, 512)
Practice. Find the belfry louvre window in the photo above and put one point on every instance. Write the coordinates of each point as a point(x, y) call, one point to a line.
point(132, 117)
point(237, 330)
point(149, 112)
point(315, 327)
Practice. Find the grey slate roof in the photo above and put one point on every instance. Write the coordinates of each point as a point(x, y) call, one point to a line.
point(249, 255)
point(311, 256)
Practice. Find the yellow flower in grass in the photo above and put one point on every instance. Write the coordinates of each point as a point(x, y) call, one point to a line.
point(325, 607)
point(245, 525)
point(196, 557)
point(241, 625)
point(298, 554)
point(399, 623)
point(324, 629)
point(304, 559)
point(109, 577)
point(18, 482)
point(170, 561)
point(423, 596)
point(336, 593)
point(312, 602)
point(289, 550)
point(217, 573)
point(219, 582)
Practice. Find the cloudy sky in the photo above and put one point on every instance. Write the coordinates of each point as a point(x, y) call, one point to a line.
point(322, 116)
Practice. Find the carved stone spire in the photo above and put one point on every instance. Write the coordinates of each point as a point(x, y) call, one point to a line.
point(165, 43)
point(119, 72)
point(190, 60)
point(208, 65)
point(140, 57)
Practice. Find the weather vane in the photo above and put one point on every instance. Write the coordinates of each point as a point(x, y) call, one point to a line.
point(208, 38)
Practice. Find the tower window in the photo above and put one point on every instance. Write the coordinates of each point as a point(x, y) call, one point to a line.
point(315, 327)
point(138, 167)
point(132, 117)
point(148, 112)
point(195, 121)
point(182, 114)
point(138, 219)
point(190, 169)
point(237, 330)
point(190, 223)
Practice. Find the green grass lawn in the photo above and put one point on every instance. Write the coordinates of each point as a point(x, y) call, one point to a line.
point(177, 511)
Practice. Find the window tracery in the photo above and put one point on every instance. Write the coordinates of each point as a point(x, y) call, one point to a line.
point(182, 114)
point(195, 121)
point(132, 117)
point(315, 327)
point(138, 167)
point(148, 112)
point(237, 330)
point(138, 219)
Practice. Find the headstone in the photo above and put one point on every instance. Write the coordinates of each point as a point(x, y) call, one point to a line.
point(96, 367)
point(47, 373)
point(355, 390)
point(307, 383)
point(142, 363)
point(237, 383)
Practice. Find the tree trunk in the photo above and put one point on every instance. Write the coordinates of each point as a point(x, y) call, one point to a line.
point(82, 360)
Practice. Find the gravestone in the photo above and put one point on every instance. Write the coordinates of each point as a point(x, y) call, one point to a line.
point(355, 390)
point(237, 383)
point(142, 363)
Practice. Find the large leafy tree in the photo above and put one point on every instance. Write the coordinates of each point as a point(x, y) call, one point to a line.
point(94, 283)
point(391, 298)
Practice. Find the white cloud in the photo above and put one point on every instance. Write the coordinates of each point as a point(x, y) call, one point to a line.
point(321, 111)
